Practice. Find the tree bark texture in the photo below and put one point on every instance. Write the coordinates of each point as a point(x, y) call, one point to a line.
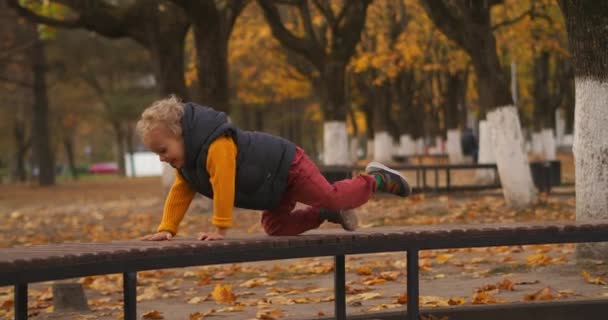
point(586, 23)
point(40, 112)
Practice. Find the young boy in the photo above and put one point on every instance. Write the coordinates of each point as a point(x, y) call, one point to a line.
point(250, 170)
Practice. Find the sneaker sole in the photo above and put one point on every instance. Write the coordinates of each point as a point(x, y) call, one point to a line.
point(350, 222)
point(375, 166)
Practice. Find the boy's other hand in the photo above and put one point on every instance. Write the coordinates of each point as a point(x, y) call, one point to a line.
point(209, 236)
point(159, 236)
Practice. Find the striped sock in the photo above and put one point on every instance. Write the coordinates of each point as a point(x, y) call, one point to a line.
point(379, 180)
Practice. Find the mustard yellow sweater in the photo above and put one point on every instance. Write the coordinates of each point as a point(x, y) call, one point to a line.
point(221, 165)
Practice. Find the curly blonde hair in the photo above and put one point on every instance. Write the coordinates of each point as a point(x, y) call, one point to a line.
point(168, 112)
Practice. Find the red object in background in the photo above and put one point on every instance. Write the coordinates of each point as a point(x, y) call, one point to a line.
point(103, 167)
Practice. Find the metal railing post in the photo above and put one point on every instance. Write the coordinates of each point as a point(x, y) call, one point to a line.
point(20, 301)
point(339, 288)
point(129, 283)
point(413, 289)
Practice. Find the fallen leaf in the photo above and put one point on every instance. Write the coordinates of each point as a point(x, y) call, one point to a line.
point(592, 280)
point(543, 294)
point(506, 284)
point(443, 258)
point(223, 294)
point(364, 271)
point(153, 315)
point(363, 296)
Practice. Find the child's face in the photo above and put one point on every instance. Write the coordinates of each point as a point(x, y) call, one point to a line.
point(168, 146)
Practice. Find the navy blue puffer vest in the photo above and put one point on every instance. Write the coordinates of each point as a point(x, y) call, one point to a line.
point(262, 163)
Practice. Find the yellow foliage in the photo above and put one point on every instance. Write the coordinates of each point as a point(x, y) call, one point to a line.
point(223, 294)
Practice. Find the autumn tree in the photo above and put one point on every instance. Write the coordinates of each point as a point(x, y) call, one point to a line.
point(270, 85)
point(35, 59)
point(212, 22)
point(586, 22)
point(15, 85)
point(328, 43)
point(537, 48)
point(469, 25)
point(159, 26)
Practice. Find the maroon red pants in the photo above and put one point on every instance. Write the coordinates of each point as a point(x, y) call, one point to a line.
point(307, 185)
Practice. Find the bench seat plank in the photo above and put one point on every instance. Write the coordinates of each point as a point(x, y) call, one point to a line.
point(28, 264)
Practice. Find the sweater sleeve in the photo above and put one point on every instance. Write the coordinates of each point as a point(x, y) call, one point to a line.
point(176, 204)
point(221, 166)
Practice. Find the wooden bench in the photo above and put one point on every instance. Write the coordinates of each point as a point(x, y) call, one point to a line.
point(22, 265)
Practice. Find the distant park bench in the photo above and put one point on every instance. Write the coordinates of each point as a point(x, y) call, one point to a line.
point(546, 174)
point(20, 266)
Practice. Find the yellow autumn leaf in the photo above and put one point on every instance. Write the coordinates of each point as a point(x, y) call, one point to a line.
point(153, 315)
point(538, 259)
point(541, 295)
point(456, 301)
point(223, 294)
point(483, 297)
point(592, 280)
point(364, 271)
point(443, 258)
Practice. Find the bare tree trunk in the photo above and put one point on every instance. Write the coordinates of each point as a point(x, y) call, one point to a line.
point(21, 146)
point(40, 129)
point(130, 149)
point(68, 144)
point(119, 137)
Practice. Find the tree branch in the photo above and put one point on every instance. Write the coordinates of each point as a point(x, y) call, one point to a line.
point(307, 20)
point(326, 11)
point(286, 37)
point(445, 21)
point(350, 31)
point(34, 17)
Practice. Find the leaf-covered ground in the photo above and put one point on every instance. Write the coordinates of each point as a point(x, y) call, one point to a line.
point(125, 209)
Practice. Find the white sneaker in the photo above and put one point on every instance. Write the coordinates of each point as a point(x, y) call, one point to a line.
point(394, 181)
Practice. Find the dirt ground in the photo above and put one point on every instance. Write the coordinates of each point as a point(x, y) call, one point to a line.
point(113, 209)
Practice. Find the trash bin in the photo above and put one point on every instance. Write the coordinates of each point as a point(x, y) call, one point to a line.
point(546, 174)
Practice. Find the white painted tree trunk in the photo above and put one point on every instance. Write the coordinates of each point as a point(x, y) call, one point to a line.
point(454, 147)
point(408, 147)
point(354, 149)
point(383, 147)
point(560, 126)
point(537, 143)
point(513, 168)
point(486, 154)
point(370, 149)
point(420, 146)
point(549, 147)
point(335, 143)
point(591, 157)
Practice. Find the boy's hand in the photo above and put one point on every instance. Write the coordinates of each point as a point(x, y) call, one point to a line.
point(159, 236)
point(210, 236)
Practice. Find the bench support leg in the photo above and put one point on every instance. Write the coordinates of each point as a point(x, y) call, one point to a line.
point(413, 290)
point(339, 288)
point(129, 283)
point(21, 301)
